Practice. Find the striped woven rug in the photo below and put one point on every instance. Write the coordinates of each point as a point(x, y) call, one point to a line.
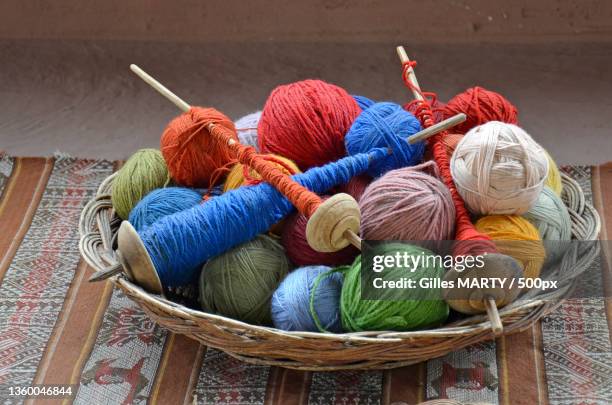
point(56, 328)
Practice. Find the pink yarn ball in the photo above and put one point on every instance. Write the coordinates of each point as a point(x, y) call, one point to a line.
point(408, 204)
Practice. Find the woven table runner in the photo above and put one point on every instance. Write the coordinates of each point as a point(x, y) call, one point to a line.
point(56, 328)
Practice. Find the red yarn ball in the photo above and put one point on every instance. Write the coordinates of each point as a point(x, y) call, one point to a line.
point(356, 186)
point(191, 152)
point(306, 122)
point(300, 252)
point(481, 106)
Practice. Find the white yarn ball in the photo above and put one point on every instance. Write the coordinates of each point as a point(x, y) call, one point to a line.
point(247, 129)
point(499, 169)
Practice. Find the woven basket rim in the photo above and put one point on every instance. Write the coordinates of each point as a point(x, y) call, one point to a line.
point(98, 224)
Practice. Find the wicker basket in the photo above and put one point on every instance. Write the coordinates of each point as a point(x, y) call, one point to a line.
point(317, 351)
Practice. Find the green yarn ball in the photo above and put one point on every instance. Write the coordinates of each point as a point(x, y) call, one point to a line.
point(388, 312)
point(240, 283)
point(550, 216)
point(143, 172)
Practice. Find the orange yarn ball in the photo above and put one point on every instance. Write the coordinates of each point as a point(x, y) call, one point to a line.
point(191, 152)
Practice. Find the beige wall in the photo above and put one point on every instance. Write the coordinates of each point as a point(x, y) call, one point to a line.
point(319, 20)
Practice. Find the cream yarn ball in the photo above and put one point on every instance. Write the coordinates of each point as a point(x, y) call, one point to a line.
point(499, 169)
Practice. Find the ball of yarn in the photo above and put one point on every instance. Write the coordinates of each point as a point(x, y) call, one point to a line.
point(246, 127)
point(408, 204)
point(480, 106)
point(554, 176)
point(191, 152)
point(161, 202)
point(306, 121)
point(385, 125)
point(240, 283)
point(291, 301)
point(299, 251)
point(363, 102)
point(516, 237)
point(388, 312)
point(143, 172)
point(356, 186)
point(499, 169)
point(550, 216)
point(239, 176)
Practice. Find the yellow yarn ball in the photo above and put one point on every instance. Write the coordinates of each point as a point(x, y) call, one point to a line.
point(508, 231)
point(554, 177)
point(236, 177)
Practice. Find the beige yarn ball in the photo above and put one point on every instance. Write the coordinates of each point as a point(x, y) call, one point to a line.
point(499, 169)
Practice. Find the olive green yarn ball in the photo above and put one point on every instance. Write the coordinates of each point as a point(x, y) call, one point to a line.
point(397, 310)
point(143, 172)
point(240, 283)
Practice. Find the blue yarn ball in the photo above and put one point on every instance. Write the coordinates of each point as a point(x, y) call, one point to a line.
point(291, 301)
point(363, 102)
point(161, 202)
point(385, 125)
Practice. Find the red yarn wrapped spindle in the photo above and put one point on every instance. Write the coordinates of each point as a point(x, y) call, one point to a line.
point(450, 142)
point(465, 230)
point(471, 242)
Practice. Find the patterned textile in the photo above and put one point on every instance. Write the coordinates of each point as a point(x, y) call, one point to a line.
point(56, 328)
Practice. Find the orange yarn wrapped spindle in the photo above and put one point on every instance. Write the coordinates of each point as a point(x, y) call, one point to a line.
point(332, 224)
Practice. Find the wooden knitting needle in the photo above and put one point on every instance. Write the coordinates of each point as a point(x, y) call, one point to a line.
point(489, 301)
point(333, 206)
point(183, 106)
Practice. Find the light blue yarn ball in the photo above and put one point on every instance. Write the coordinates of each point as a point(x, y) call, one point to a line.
point(161, 202)
point(363, 102)
point(291, 301)
point(385, 125)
